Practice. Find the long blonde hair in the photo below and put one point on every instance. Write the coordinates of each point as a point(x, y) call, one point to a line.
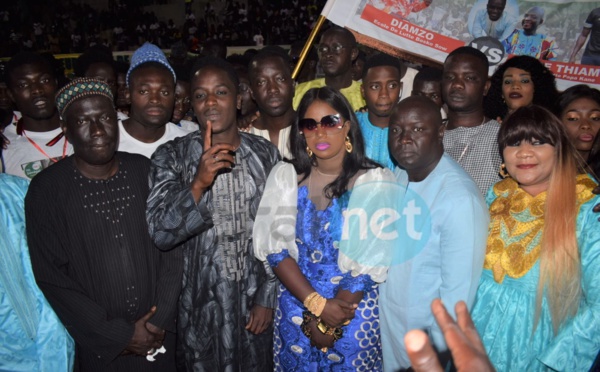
point(560, 263)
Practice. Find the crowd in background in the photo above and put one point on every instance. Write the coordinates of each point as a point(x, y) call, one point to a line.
point(206, 200)
point(73, 27)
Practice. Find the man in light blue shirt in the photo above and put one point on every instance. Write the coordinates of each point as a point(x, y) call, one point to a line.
point(493, 21)
point(32, 338)
point(381, 88)
point(446, 225)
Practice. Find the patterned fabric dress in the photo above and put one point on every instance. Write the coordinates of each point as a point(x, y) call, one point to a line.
point(317, 237)
point(504, 309)
point(222, 280)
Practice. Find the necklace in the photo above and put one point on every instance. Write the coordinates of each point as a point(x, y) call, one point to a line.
point(325, 174)
point(316, 199)
point(464, 151)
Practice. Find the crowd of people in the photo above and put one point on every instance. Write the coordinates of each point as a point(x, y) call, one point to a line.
point(214, 214)
point(74, 27)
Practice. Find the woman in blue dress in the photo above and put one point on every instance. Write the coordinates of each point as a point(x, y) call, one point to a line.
point(327, 316)
point(537, 307)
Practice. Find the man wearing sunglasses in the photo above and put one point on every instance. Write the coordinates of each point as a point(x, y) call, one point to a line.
point(337, 50)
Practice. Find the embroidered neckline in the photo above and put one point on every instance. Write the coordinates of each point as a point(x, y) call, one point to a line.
point(516, 227)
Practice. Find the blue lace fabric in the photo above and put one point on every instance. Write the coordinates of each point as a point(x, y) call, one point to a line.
point(317, 236)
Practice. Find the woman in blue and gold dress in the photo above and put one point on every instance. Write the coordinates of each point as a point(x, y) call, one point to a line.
point(538, 303)
point(327, 316)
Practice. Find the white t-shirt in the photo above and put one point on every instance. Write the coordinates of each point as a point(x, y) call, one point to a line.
point(122, 116)
point(190, 126)
point(407, 82)
point(23, 159)
point(259, 40)
point(129, 144)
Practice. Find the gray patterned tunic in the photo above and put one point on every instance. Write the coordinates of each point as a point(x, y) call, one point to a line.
point(476, 150)
point(222, 279)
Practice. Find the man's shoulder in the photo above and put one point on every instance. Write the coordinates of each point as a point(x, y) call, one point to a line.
point(362, 117)
point(13, 187)
point(188, 125)
point(132, 159)
point(56, 174)
point(181, 143)
point(490, 127)
point(175, 130)
point(258, 143)
point(455, 182)
point(316, 83)
point(354, 86)
point(11, 129)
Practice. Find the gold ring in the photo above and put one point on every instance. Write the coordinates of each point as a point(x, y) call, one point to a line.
point(324, 349)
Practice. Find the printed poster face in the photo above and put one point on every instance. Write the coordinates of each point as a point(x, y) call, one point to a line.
point(427, 30)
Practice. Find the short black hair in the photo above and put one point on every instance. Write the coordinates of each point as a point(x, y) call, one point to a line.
point(472, 52)
point(90, 57)
point(218, 46)
point(238, 60)
point(381, 59)
point(343, 31)
point(219, 63)
point(428, 74)
point(271, 52)
point(26, 58)
point(150, 64)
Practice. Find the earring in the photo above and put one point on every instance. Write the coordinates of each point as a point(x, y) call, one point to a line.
point(348, 145)
point(503, 173)
point(309, 152)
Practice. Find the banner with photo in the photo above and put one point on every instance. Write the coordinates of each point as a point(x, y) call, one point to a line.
point(559, 33)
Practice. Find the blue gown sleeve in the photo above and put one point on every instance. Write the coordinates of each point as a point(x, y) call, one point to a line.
point(276, 258)
point(578, 341)
point(359, 283)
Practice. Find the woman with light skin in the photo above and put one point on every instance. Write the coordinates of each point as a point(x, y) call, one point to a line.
point(538, 303)
point(326, 317)
point(519, 82)
point(578, 108)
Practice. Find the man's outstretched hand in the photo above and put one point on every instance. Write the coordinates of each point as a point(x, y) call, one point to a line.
point(461, 337)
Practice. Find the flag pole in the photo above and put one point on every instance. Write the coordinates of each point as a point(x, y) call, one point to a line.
point(313, 34)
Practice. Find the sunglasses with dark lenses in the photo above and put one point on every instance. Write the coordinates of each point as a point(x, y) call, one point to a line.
point(329, 123)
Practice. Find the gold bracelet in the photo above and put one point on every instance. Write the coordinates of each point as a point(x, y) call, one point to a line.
point(315, 303)
point(318, 305)
point(309, 298)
